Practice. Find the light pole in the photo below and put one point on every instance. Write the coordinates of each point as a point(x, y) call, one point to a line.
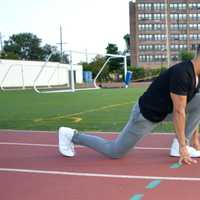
point(167, 33)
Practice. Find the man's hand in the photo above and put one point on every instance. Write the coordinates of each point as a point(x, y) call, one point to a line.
point(185, 157)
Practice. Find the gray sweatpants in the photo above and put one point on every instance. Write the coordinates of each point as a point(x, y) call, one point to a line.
point(135, 129)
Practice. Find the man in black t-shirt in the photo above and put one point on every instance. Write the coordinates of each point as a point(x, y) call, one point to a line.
point(170, 93)
point(173, 94)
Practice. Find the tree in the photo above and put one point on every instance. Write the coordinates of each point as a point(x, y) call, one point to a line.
point(9, 55)
point(25, 46)
point(115, 63)
point(128, 46)
point(95, 65)
point(55, 57)
point(127, 42)
point(185, 56)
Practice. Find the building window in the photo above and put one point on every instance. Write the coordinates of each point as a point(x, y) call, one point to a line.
point(145, 37)
point(194, 37)
point(159, 58)
point(174, 16)
point(156, 6)
point(194, 26)
point(146, 58)
point(182, 16)
point(142, 58)
point(179, 37)
point(173, 6)
point(144, 17)
point(182, 37)
point(193, 47)
point(144, 6)
point(194, 16)
point(152, 58)
point(159, 27)
point(140, 6)
point(174, 58)
point(145, 27)
point(176, 27)
point(176, 47)
point(160, 47)
point(146, 47)
point(159, 37)
point(194, 5)
point(158, 16)
point(178, 6)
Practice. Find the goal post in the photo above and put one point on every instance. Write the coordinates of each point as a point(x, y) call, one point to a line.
point(75, 58)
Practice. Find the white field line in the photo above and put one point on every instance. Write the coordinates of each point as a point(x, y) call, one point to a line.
point(12, 131)
point(98, 175)
point(55, 146)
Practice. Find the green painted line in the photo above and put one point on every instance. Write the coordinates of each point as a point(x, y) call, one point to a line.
point(137, 197)
point(153, 184)
point(175, 165)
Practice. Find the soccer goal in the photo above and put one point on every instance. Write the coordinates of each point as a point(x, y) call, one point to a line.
point(72, 75)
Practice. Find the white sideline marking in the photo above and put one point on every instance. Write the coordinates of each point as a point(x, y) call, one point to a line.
point(98, 175)
point(12, 131)
point(52, 145)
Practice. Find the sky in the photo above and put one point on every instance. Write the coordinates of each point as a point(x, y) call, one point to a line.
point(86, 24)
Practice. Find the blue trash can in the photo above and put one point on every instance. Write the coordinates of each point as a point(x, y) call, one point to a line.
point(87, 76)
point(128, 78)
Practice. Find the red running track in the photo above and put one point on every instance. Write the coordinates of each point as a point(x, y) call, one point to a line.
point(31, 168)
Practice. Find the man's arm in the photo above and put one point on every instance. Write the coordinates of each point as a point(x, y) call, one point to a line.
point(179, 106)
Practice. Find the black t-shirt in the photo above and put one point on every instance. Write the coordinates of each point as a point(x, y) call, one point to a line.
point(179, 79)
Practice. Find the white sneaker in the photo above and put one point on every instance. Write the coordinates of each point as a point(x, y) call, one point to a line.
point(174, 151)
point(66, 147)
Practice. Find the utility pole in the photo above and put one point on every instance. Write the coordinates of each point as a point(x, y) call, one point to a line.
point(1, 42)
point(167, 33)
point(61, 44)
point(86, 55)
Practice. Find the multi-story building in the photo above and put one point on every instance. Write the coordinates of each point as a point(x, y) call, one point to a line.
point(161, 29)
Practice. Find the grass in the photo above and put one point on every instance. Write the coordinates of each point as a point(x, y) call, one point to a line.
point(98, 110)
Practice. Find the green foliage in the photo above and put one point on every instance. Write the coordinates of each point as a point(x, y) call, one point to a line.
point(115, 63)
point(55, 57)
point(113, 69)
point(185, 56)
point(127, 41)
point(9, 55)
point(140, 73)
point(95, 66)
point(27, 46)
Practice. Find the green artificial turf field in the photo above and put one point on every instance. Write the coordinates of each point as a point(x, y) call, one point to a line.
point(94, 110)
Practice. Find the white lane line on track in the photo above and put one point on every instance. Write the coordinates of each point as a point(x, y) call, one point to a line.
point(55, 146)
point(27, 144)
point(98, 175)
